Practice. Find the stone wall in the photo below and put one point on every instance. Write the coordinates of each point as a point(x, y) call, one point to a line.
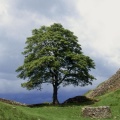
point(97, 112)
point(113, 83)
point(12, 102)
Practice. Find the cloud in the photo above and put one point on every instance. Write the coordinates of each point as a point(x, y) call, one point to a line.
point(51, 9)
point(8, 86)
point(102, 26)
point(3, 12)
point(96, 23)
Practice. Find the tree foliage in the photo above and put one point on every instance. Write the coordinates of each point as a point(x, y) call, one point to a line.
point(53, 55)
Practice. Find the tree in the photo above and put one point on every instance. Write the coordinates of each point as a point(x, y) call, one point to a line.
point(53, 55)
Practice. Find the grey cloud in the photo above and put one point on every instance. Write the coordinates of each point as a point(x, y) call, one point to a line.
point(104, 68)
point(8, 76)
point(13, 37)
point(48, 8)
point(9, 64)
point(8, 86)
point(11, 53)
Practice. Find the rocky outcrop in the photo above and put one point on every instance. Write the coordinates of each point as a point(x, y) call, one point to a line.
point(97, 112)
point(80, 100)
point(112, 84)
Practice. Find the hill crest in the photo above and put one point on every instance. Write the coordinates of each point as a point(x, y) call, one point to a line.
point(112, 84)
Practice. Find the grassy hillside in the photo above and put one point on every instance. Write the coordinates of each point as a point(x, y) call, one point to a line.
point(12, 112)
point(67, 112)
point(111, 99)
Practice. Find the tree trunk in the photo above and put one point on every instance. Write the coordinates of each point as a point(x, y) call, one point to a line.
point(55, 93)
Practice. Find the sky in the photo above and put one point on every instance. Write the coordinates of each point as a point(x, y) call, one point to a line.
point(96, 23)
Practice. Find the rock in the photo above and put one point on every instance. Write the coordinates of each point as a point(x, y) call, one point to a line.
point(80, 99)
point(97, 112)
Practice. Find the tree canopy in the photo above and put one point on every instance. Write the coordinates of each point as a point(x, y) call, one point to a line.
point(53, 55)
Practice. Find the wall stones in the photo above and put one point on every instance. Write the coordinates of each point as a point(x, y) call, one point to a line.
point(97, 112)
point(113, 83)
point(12, 102)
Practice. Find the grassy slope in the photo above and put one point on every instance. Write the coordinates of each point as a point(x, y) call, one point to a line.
point(111, 99)
point(73, 112)
point(11, 112)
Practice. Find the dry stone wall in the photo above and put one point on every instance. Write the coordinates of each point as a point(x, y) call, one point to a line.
point(12, 102)
point(97, 112)
point(113, 83)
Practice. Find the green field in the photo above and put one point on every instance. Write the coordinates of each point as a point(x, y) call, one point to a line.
point(67, 112)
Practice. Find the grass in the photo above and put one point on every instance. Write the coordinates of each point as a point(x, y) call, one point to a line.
point(11, 112)
point(88, 92)
point(67, 112)
point(111, 99)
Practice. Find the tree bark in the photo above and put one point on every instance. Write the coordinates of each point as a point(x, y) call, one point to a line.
point(55, 95)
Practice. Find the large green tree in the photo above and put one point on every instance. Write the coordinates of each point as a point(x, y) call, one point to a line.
point(53, 55)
